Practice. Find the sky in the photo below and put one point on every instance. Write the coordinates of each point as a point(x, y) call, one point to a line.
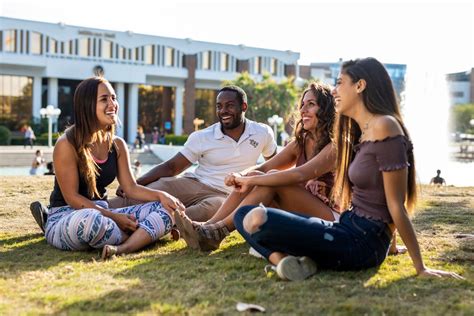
point(430, 33)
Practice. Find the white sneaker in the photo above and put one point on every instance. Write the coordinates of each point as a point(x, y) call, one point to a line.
point(296, 268)
point(255, 253)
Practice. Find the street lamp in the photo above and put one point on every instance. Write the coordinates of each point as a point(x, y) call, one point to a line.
point(197, 122)
point(50, 111)
point(275, 121)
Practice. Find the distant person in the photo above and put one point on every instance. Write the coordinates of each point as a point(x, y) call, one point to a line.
point(136, 168)
point(37, 162)
point(139, 138)
point(50, 169)
point(29, 137)
point(230, 145)
point(155, 135)
point(162, 139)
point(438, 181)
point(88, 157)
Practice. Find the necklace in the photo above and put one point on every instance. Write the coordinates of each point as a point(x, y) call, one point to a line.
point(365, 128)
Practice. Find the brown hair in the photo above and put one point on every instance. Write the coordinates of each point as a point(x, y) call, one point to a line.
point(379, 98)
point(325, 115)
point(85, 131)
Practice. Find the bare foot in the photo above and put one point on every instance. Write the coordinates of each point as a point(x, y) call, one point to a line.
point(108, 251)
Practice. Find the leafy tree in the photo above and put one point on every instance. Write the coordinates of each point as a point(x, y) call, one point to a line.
point(461, 115)
point(268, 97)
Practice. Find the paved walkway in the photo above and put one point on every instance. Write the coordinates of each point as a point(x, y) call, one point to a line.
point(19, 156)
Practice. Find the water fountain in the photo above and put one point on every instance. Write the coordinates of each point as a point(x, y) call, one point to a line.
point(425, 108)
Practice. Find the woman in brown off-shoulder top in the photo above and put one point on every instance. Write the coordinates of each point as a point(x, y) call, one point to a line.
point(375, 178)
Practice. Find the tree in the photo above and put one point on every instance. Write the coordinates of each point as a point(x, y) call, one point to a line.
point(461, 115)
point(268, 97)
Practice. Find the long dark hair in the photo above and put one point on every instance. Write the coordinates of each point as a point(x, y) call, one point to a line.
point(86, 130)
point(379, 98)
point(325, 115)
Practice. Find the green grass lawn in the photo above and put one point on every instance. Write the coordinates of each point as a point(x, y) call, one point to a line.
point(169, 278)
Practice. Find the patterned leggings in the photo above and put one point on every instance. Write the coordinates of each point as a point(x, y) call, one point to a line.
point(70, 229)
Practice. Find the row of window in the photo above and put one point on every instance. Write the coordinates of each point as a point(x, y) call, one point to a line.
point(21, 41)
point(30, 42)
point(266, 64)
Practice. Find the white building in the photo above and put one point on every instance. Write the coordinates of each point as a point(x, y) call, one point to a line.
point(159, 81)
point(461, 87)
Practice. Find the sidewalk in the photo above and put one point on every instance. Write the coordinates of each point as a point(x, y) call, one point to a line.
point(18, 156)
point(20, 149)
point(14, 156)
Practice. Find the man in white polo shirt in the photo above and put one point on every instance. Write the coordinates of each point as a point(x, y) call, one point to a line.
point(231, 145)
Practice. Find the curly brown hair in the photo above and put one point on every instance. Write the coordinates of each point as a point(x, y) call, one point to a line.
point(325, 115)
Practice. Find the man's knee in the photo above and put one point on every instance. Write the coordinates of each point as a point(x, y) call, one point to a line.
point(254, 219)
point(205, 209)
point(163, 184)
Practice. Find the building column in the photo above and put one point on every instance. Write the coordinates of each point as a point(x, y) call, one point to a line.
point(471, 97)
point(53, 99)
point(178, 110)
point(132, 113)
point(53, 92)
point(190, 62)
point(120, 92)
point(36, 97)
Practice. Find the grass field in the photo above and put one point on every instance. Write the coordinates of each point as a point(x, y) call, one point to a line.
point(169, 278)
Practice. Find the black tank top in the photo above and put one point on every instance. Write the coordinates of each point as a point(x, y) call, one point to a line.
point(107, 174)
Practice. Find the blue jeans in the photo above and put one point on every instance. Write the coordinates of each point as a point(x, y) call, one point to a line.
point(353, 243)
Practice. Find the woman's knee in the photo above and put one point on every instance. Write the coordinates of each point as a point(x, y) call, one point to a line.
point(254, 219)
point(240, 214)
point(93, 227)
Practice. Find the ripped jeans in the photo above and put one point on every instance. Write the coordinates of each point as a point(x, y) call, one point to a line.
point(353, 243)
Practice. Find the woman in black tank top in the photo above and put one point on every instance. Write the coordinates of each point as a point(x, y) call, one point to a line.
point(87, 158)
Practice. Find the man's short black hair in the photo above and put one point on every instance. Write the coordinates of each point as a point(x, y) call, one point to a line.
point(241, 95)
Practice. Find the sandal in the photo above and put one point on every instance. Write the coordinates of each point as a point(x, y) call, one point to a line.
point(108, 251)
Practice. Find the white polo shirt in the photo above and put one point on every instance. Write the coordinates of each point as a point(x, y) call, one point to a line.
point(218, 154)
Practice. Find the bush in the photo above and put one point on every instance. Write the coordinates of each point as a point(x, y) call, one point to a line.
point(5, 135)
point(176, 139)
point(43, 139)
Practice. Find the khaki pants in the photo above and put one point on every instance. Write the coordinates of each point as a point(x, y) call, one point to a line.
point(201, 200)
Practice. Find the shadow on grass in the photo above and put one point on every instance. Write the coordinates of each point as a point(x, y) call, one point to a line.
point(186, 282)
point(452, 216)
point(166, 278)
point(30, 252)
